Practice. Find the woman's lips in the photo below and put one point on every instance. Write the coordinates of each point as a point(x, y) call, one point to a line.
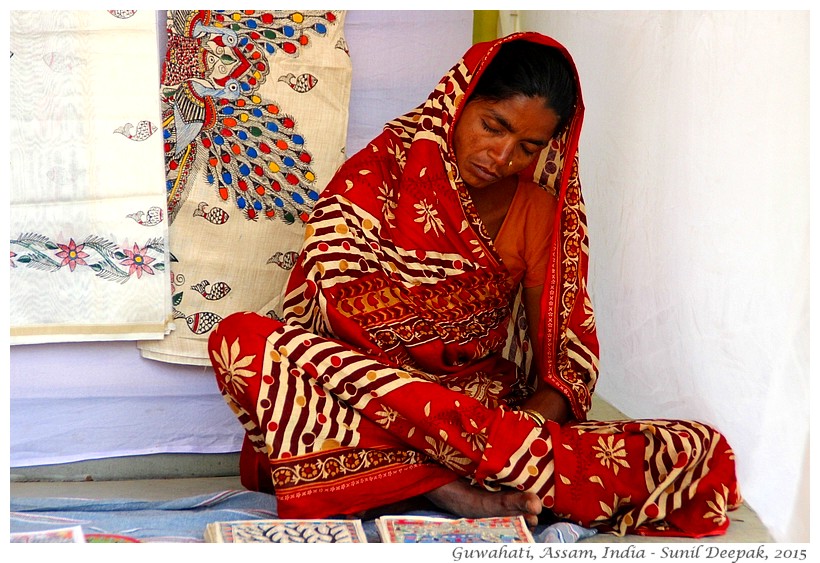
point(485, 174)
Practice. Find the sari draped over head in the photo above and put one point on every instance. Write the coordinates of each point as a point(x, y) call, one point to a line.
point(403, 351)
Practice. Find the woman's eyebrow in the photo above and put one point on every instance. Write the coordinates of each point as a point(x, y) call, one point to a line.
point(504, 123)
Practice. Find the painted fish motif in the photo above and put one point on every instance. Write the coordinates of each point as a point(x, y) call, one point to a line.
point(61, 175)
point(285, 260)
point(144, 130)
point(56, 175)
point(122, 14)
point(216, 291)
point(62, 61)
point(200, 323)
point(302, 83)
point(215, 215)
point(150, 218)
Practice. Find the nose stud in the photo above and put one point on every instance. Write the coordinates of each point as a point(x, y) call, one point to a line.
point(510, 163)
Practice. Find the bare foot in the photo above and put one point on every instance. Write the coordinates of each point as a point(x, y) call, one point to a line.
point(460, 498)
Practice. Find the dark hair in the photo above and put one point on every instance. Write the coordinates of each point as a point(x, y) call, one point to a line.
point(533, 70)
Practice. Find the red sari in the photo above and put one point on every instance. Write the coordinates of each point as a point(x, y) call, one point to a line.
point(403, 353)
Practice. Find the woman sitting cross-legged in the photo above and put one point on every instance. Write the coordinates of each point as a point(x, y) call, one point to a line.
point(438, 341)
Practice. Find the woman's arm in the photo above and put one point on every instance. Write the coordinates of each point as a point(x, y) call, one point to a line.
point(546, 400)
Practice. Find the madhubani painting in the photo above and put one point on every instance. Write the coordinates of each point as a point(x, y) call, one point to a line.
point(254, 121)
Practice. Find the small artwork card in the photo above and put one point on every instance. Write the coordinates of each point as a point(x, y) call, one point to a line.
point(419, 529)
point(73, 534)
point(286, 531)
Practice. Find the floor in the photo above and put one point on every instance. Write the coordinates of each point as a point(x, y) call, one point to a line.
point(745, 527)
point(165, 477)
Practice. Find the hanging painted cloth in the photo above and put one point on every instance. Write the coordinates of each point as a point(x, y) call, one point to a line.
point(88, 223)
point(398, 368)
point(255, 108)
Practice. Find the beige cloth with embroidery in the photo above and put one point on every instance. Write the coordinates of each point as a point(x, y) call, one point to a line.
point(88, 227)
point(255, 119)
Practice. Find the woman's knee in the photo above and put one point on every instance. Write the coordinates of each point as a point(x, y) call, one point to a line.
point(245, 324)
point(235, 348)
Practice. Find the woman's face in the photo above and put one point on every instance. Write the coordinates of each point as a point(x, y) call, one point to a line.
point(496, 138)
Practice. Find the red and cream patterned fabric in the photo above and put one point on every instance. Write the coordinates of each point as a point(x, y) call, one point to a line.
point(401, 357)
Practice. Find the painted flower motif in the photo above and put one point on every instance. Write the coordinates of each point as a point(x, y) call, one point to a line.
point(388, 202)
point(285, 476)
point(309, 471)
point(333, 469)
point(231, 367)
point(571, 269)
point(13, 254)
point(387, 417)
point(446, 455)
point(718, 507)
point(608, 511)
point(611, 453)
point(352, 460)
point(428, 216)
point(572, 246)
point(376, 458)
point(573, 196)
point(589, 322)
point(72, 254)
point(137, 261)
point(568, 299)
point(477, 440)
point(399, 155)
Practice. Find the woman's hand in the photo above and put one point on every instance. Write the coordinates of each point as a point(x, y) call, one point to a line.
point(549, 402)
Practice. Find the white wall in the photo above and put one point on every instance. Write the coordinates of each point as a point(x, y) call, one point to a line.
point(695, 167)
point(398, 58)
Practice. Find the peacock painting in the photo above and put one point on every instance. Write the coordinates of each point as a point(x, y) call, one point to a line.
point(214, 121)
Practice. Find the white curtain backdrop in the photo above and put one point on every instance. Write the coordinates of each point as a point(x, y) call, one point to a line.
point(695, 167)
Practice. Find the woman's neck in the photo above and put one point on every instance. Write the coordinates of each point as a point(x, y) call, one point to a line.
point(492, 202)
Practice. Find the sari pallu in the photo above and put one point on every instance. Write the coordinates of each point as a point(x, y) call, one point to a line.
point(401, 354)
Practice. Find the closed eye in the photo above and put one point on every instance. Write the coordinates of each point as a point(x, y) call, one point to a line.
point(488, 128)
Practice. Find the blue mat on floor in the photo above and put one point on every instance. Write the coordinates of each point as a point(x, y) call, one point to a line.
point(184, 520)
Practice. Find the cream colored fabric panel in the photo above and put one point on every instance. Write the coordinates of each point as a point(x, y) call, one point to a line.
point(255, 112)
point(88, 229)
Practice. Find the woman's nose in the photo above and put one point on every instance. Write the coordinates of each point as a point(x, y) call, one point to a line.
point(501, 153)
